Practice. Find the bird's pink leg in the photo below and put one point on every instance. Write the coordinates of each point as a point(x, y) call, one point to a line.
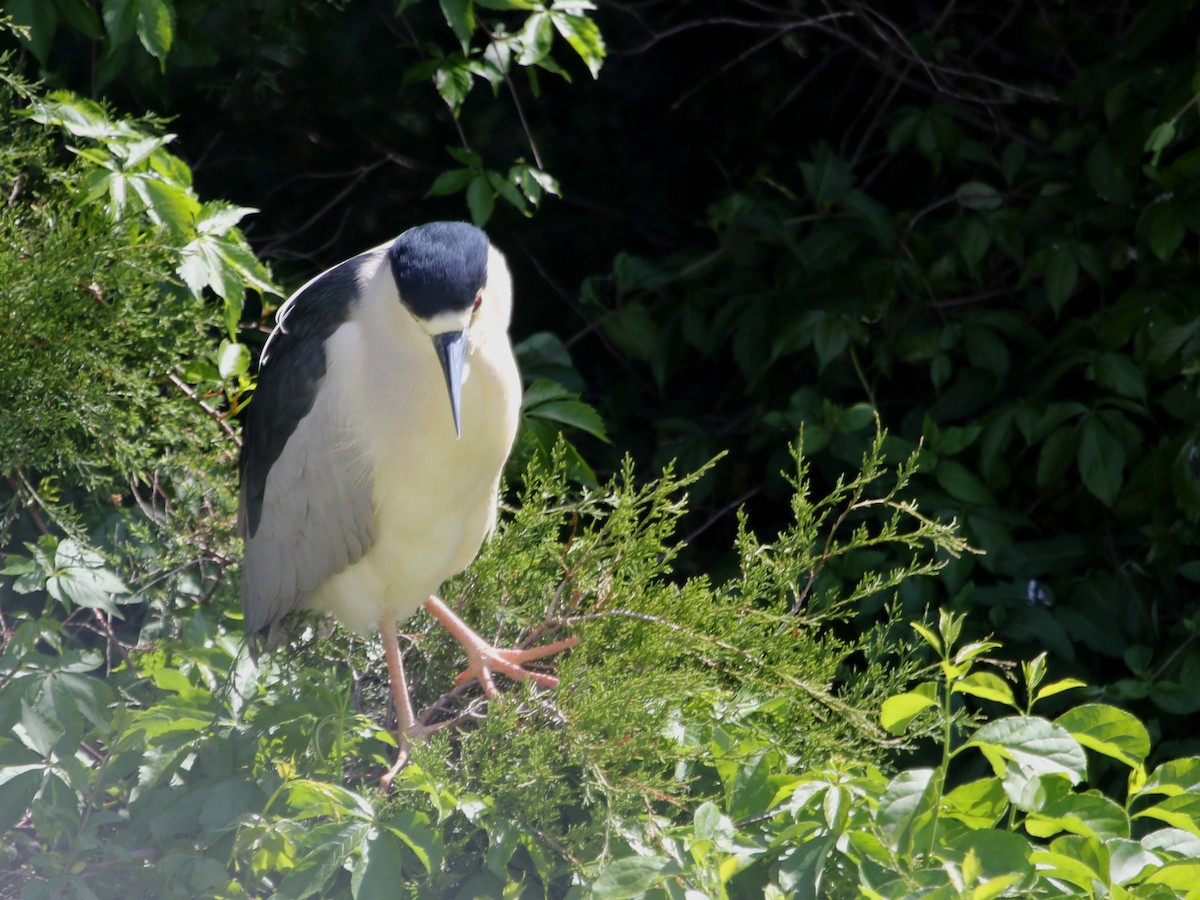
point(483, 659)
point(407, 729)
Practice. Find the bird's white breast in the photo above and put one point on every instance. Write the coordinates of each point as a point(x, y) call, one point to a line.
point(434, 494)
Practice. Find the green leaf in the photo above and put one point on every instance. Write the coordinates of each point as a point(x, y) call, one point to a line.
point(1177, 776)
point(168, 204)
point(1057, 687)
point(460, 16)
point(1130, 860)
point(453, 82)
point(379, 869)
point(233, 359)
point(1101, 460)
point(574, 413)
point(1163, 224)
point(584, 36)
point(906, 803)
point(1180, 875)
point(986, 686)
point(1056, 454)
point(156, 26)
point(450, 182)
point(120, 21)
point(480, 200)
point(976, 195)
point(82, 577)
point(977, 804)
point(1079, 861)
point(81, 16)
point(1158, 141)
point(1108, 730)
point(19, 784)
point(1180, 811)
point(1037, 746)
point(898, 711)
point(962, 484)
point(1119, 373)
point(1062, 273)
point(1089, 813)
point(999, 853)
point(536, 38)
point(41, 18)
point(632, 877)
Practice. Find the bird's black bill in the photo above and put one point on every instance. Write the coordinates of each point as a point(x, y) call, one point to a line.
point(451, 349)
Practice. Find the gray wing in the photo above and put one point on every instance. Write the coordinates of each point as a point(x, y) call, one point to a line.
point(305, 510)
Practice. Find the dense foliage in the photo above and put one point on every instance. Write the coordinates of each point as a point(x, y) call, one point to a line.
point(729, 222)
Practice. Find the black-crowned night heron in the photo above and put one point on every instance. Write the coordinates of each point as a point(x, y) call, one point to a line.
point(362, 489)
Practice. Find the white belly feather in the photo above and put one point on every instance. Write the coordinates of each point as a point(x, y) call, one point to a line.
point(434, 494)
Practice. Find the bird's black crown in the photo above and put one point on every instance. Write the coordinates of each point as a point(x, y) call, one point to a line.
point(439, 267)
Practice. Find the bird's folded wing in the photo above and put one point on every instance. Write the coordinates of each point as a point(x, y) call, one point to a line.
point(306, 509)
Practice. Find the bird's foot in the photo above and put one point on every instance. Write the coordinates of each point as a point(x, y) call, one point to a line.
point(484, 659)
point(406, 738)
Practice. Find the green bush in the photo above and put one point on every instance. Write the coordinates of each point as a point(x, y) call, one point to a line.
point(183, 769)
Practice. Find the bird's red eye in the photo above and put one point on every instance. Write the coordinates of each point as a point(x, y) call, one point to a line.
point(478, 301)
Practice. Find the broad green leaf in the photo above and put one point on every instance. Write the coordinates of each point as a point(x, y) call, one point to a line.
point(986, 686)
point(574, 413)
point(536, 39)
point(508, 191)
point(19, 784)
point(1159, 139)
point(978, 804)
point(1173, 842)
point(450, 182)
point(1163, 225)
point(169, 205)
point(1108, 730)
point(156, 26)
point(977, 195)
point(82, 577)
point(379, 869)
point(998, 852)
point(309, 798)
point(323, 852)
point(1062, 273)
point(1101, 460)
point(1036, 745)
point(1177, 776)
point(480, 200)
point(1182, 876)
point(1086, 868)
point(898, 711)
point(413, 830)
point(583, 34)
point(909, 797)
point(1181, 811)
point(1130, 860)
point(930, 638)
point(453, 82)
point(41, 18)
point(1088, 813)
point(81, 16)
point(120, 21)
point(962, 484)
point(460, 16)
point(632, 877)
point(233, 359)
point(1057, 687)
point(217, 217)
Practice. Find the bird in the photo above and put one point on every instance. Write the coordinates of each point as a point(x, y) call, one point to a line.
point(386, 406)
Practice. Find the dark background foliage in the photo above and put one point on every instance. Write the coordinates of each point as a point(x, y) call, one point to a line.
point(977, 222)
point(980, 221)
